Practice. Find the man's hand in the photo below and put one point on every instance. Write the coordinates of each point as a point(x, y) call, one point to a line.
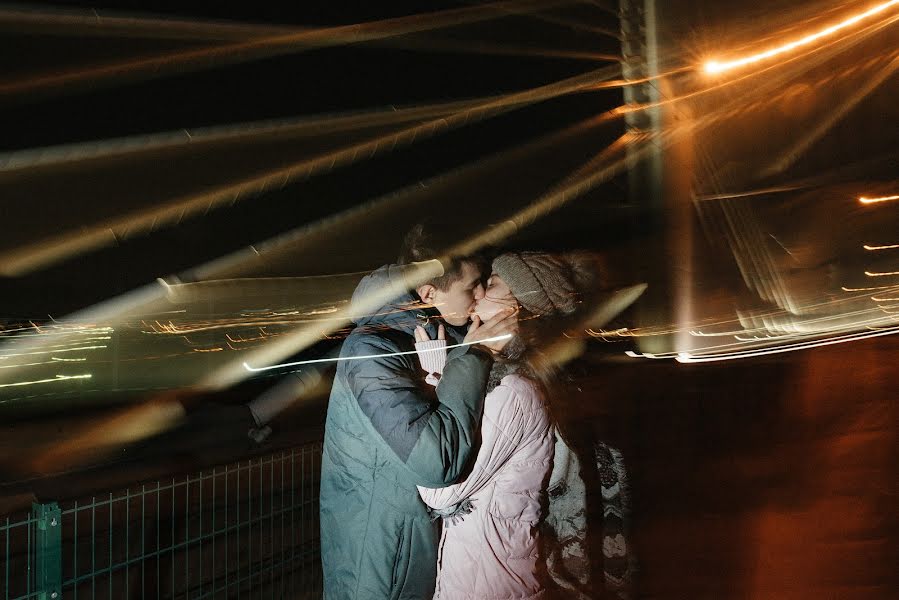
point(502, 323)
point(421, 335)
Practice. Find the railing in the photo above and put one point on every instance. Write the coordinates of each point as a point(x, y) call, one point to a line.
point(247, 530)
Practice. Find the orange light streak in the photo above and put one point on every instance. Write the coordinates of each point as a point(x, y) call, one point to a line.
point(714, 66)
point(864, 200)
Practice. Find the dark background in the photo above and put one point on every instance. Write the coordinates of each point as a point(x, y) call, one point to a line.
point(340, 79)
point(760, 478)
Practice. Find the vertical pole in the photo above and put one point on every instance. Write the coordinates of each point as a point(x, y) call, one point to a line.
point(640, 63)
point(639, 52)
point(48, 550)
point(660, 183)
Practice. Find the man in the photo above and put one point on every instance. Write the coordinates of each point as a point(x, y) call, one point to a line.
point(388, 431)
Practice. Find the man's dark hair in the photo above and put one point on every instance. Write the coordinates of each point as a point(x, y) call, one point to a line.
point(422, 243)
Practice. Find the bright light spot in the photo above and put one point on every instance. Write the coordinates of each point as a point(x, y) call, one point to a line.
point(865, 200)
point(714, 66)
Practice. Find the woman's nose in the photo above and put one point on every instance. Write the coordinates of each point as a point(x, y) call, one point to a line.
point(479, 292)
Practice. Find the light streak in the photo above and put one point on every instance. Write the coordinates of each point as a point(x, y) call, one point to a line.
point(73, 330)
point(867, 87)
point(48, 251)
point(686, 357)
point(662, 356)
point(868, 289)
point(881, 273)
point(762, 338)
point(497, 338)
point(303, 126)
point(17, 339)
point(865, 200)
point(760, 192)
point(54, 379)
point(715, 66)
point(307, 335)
point(257, 48)
point(889, 247)
point(16, 366)
point(606, 164)
point(172, 329)
point(5, 356)
point(109, 24)
point(884, 299)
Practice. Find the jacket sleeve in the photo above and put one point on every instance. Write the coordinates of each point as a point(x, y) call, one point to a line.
point(503, 430)
point(434, 439)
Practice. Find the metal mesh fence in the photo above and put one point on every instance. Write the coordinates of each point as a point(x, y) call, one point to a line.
point(247, 530)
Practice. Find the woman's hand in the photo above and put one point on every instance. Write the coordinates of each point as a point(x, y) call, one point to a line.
point(505, 322)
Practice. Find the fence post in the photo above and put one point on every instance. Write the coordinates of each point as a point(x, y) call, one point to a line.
point(48, 550)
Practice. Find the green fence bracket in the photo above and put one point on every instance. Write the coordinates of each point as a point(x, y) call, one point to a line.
point(47, 550)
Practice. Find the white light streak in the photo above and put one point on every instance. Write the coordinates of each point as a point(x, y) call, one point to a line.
point(880, 273)
point(686, 357)
point(367, 356)
point(714, 66)
point(54, 379)
point(5, 356)
point(864, 200)
point(891, 246)
point(868, 289)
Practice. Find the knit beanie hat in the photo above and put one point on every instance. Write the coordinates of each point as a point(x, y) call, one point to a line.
point(545, 284)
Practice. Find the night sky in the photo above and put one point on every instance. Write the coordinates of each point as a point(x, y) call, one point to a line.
point(400, 72)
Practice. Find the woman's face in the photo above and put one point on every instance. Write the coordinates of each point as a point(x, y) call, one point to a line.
point(497, 296)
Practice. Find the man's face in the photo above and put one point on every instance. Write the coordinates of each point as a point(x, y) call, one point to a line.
point(457, 303)
point(497, 297)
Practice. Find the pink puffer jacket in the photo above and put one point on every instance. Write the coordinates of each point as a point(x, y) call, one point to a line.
point(492, 552)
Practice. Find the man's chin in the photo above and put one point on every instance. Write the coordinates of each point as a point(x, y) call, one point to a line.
point(456, 321)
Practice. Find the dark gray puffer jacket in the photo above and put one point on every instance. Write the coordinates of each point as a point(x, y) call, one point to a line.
point(386, 432)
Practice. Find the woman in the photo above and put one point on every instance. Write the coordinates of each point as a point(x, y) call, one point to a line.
point(489, 544)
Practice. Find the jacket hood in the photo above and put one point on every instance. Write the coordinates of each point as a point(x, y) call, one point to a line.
point(403, 312)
